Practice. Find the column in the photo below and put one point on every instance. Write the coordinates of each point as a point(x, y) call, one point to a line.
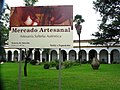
point(18, 56)
point(40, 57)
point(49, 57)
point(33, 55)
point(77, 57)
point(67, 56)
point(58, 56)
point(98, 56)
point(87, 57)
point(19, 53)
point(109, 58)
point(12, 57)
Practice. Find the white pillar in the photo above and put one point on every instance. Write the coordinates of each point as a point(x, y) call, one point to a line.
point(49, 57)
point(19, 56)
point(87, 57)
point(40, 57)
point(33, 52)
point(109, 58)
point(98, 56)
point(12, 58)
point(67, 56)
point(77, 57)
point(58, 56)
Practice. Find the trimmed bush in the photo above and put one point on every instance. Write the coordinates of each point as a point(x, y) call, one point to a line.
point(33, 62)
point(84, 61)
point(76, 64)
point(46, 65)
point(53, 63)
point(68, 64)
point(57, 66)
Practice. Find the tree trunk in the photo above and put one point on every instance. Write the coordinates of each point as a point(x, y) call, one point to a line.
point(25, 68)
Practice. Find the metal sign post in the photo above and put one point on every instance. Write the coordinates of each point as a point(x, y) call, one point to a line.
point(20, 71)
point(59, 76)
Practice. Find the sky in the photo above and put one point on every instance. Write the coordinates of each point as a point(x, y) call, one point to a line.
point(81, 7)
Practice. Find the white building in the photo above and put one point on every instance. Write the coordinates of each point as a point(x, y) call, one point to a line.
point(88, 51)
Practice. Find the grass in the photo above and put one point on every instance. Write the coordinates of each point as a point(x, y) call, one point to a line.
point(74, 78)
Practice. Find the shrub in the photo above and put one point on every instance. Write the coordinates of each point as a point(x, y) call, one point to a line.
point(84, 61)
point(76, 64)
point(33, 62)
point(53, 63)
point(12, 61)
point(57, 66)
point(68, 64)
point(28, 60)
point(46, 65)
point(57, 61)
point(77, 61)
point(115, 62)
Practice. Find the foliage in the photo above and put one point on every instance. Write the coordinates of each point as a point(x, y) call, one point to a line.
point(53, 63)
point(33, 62)
point(109, 29)
point(68, 64)
point(78, 19)
point(57, 66)
point(4, 27)
point(30, 2)
point(46, 65)
point(4, 30)
point(2, 53)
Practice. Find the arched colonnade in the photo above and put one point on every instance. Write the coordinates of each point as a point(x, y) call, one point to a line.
point(106, 55)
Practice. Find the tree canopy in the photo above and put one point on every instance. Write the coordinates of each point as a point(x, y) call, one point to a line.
point(4, 28)
point(30, 2)
point(109, 28)
point(78, 19)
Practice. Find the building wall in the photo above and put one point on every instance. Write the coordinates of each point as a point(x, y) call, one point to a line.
point(87, 51)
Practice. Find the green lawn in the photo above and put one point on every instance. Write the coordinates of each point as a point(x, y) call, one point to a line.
point(74, 78)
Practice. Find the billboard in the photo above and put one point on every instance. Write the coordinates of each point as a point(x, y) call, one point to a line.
point(41, 27)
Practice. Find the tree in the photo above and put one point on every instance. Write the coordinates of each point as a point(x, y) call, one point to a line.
point(78, 19)
point(30, 2)
point(4, 29)
point(109, 28)
point(28, 53)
